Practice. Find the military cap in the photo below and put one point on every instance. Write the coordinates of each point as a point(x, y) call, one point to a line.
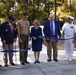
point(12, 17)
point(70, 17)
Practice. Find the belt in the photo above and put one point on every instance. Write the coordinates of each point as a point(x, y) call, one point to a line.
point(53, 36)
point(24, 34)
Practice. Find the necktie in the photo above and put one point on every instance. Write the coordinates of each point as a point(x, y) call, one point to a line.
point(11, 28)
point(52, 28)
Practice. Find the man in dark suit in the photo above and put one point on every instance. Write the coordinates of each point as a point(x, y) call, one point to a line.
point(8, 36)
point(51, 31)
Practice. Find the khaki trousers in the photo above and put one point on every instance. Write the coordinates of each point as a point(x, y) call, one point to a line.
point(8, 47)
point(52, 44)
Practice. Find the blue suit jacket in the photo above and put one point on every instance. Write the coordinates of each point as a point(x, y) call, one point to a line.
point(6, 33)
point(47, 30)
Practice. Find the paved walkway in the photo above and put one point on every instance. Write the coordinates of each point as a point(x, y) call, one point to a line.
point(61, 67)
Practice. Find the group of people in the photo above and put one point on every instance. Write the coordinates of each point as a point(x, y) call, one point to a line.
point(51, 30)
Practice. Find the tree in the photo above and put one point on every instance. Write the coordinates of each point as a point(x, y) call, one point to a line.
point(39, 9)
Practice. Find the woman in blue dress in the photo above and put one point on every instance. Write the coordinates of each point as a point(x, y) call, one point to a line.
point(36, 35)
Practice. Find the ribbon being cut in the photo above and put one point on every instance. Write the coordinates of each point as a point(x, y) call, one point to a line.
point(37, 37)
point(59, 38)
point(14, 50)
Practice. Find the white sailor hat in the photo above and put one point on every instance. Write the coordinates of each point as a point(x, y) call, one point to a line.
point(70, 17)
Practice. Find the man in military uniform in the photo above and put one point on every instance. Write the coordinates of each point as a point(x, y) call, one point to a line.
point(8, 37)
point(69, 30)
point(23, 27)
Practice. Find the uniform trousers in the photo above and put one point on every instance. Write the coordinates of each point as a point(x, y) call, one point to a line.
point(69, 45)
point(8, 47)
point(23, 54)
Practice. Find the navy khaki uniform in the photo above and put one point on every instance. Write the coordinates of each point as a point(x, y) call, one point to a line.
point(23, 27)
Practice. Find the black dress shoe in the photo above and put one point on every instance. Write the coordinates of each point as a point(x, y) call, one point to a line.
point(26, 62)
point(35, 62)
point(12, 64)
point(0, 65)
point(38, 61)
point(23, 63)
point(48, 60)
point(55, 60)
point(6, 65)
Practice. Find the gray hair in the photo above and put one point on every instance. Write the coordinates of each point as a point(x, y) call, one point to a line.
point(52, 15)
point(36, 21)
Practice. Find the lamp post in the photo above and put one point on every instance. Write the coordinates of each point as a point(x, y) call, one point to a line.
point(55, 8)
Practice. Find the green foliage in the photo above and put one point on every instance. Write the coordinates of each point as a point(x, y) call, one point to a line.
point(37, 9)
